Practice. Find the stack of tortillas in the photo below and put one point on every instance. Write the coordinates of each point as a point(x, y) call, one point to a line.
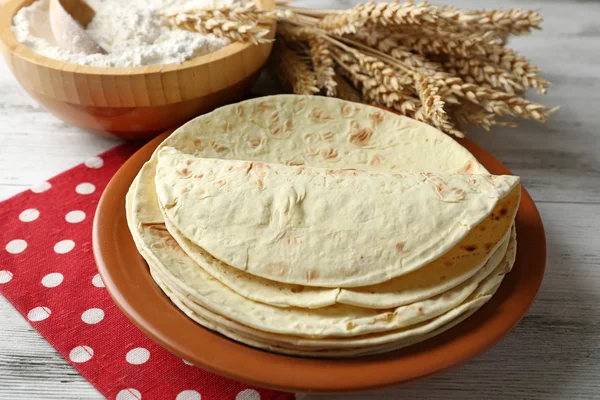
point(319, 227)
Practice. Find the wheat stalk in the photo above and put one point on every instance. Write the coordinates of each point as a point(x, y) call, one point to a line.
point(393, 13)
point(432, 107)
point(502, 22)
point(473, 114)
point(292, 69)
point(445, 66)
point(323, 65)
point(236, 22)
point(372, 90)
point(478, 70)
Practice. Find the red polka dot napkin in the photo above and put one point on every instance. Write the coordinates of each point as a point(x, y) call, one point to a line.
point(47, 272)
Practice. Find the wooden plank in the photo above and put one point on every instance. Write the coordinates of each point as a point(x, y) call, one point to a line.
point(554, 353)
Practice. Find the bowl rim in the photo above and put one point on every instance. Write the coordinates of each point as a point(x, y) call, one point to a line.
point(18, 49)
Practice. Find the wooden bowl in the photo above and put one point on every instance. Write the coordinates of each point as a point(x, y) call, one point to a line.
point(132, 102)
point(127, 279)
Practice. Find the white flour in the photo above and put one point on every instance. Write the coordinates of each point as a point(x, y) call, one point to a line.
point(129, 30)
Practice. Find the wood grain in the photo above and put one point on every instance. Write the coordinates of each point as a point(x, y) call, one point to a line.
point(554, 353)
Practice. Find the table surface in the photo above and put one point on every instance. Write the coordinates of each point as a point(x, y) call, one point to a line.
point(554, 353)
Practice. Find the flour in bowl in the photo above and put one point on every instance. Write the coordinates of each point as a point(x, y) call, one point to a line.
point(131, 31)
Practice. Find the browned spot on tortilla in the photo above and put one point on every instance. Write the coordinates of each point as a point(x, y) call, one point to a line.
point(350, 325)
point(184, 190)
point(376, 118)
point(342, 172)
point(469, 247)
point(327, 136)
point(458, 191)
point(426, 140)
point(295, 162)
point(227, 127)
point(260, 184)
point(348, 110)
point(488, 246)
point(469, 168)
point(443, 278)
point(503, 211)
point(264, 106)
point(290, 240)
point(482, 228)
point(400, 248)
point(421, 311)
point(188, 163)
point(377, 159)
point(198, 144)
point(297, 289)
point(277, 269)
point(319, 116)
point(279, 130)
point(448, 263)
point(360, 137)
point(311, 151)
point(202, 194)
point(221, 182)
point(220, 148)
point(299, 106)
point(330, 154)
point(255, 143)
point(184, 173)
point(472, 181)
point(240, 110)
point(311, 275)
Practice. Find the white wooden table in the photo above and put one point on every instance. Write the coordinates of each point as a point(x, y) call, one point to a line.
point(554, 353)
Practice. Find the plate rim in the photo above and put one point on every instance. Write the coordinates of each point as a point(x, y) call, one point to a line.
point(472, 337)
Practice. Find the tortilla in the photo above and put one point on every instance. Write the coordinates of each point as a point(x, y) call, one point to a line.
point(339, 320)
point(482, 289)
point(408, 337)
point(322, 227)
point(406, 289)
point(322, 133)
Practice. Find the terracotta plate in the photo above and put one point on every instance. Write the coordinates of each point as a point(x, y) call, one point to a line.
point(127, 279)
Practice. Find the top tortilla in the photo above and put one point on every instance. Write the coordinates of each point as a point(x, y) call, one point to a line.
point(322, 227)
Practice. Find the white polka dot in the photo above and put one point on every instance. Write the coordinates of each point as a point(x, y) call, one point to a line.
point(94, 162)
point(38, 314)
point(92, 316)
point(97, 281)
point(53, 280)
point(248, 394)
point(64, 246)
point(75, 216)
point(81, 354)
point(186, 362)
point(40, 187)
point(5, 276)
point(16, 246)
point(137, 356)
point(85, 188)
point(129, 394)
point(31, 214)
point(188, 395)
